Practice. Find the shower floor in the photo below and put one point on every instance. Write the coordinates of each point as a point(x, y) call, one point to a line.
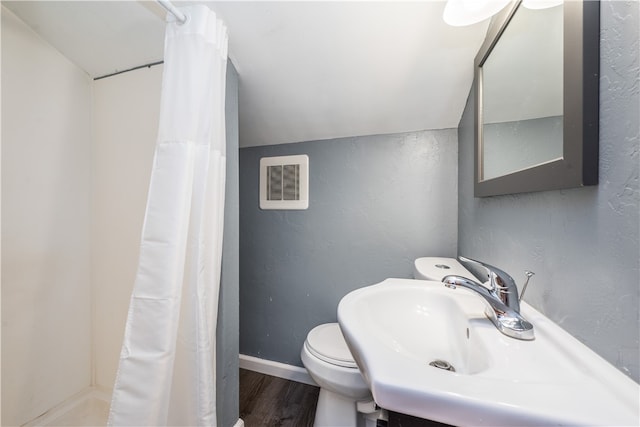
point(89, 409)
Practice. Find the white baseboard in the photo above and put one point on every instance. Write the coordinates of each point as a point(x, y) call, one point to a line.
point(239, 423)
point(276, 369)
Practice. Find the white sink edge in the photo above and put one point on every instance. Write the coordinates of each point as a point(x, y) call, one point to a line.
point(621, 388)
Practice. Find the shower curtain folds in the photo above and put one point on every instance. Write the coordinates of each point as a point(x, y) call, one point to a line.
point(166, 374)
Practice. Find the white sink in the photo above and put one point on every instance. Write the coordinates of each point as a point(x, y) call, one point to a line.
point(396, 328)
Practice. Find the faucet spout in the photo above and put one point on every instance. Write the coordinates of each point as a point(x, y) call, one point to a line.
point(489, 296)
point(503, 308)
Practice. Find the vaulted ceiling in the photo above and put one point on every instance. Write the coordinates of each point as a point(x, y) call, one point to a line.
point(308, 70)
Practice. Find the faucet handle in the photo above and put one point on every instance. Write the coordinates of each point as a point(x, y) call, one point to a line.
point(504, 280)
point(524, 288)
point(500, 281)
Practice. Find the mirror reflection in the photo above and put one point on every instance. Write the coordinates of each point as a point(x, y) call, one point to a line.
point(522, 94)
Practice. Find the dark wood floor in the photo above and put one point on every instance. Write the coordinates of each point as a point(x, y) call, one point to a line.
point(272, 401)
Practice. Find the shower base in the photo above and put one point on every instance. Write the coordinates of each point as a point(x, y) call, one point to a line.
point(89, 408)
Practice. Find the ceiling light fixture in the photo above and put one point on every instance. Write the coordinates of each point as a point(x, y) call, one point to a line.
point(459, 13)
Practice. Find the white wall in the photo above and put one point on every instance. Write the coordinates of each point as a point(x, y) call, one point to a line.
point(76, 164)
point(125, 115)
point(46, 135)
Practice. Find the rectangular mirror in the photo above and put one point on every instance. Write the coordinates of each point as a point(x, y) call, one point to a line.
point(537, 104)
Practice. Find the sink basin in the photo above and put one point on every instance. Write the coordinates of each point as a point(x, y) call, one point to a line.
point(399, 329)
point(438, 326)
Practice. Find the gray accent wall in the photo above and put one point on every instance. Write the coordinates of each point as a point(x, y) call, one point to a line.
point(227, 375)
point(511, 146)
point(376, 203)
point(583, 244)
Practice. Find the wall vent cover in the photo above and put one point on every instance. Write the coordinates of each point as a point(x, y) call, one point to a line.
point(284, 182)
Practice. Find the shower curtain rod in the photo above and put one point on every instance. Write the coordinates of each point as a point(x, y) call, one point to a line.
point(166, 4)
point(181, 17)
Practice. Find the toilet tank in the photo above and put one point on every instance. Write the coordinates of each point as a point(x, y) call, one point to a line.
point(435, 268)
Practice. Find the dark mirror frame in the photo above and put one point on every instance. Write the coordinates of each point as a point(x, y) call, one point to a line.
point(581, 86)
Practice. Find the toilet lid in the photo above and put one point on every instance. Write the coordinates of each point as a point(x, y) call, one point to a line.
point(327, 343)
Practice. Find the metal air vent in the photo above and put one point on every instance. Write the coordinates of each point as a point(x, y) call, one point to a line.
point(284, 182)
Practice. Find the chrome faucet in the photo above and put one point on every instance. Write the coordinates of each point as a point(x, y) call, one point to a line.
point(502, 298)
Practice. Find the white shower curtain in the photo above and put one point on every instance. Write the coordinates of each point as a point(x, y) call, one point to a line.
point(166, 374)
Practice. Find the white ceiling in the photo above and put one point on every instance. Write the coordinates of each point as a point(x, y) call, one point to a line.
point(308, 70)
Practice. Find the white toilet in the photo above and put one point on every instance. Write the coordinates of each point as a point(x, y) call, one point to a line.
point(343, 392)
point(329, 362)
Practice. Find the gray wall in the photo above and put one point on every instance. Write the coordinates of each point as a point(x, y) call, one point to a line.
point(511, 146)
point(376, 203)
point(582, 243)
point(227, 376)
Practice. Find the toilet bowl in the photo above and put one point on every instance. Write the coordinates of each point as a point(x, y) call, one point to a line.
point(343, 391)
point(329, 362)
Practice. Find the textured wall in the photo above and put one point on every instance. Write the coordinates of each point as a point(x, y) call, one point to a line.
point(46, 156)
point(582, 243)
point(376, 203)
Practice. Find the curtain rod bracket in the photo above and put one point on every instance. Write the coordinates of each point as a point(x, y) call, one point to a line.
point(169, 7)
